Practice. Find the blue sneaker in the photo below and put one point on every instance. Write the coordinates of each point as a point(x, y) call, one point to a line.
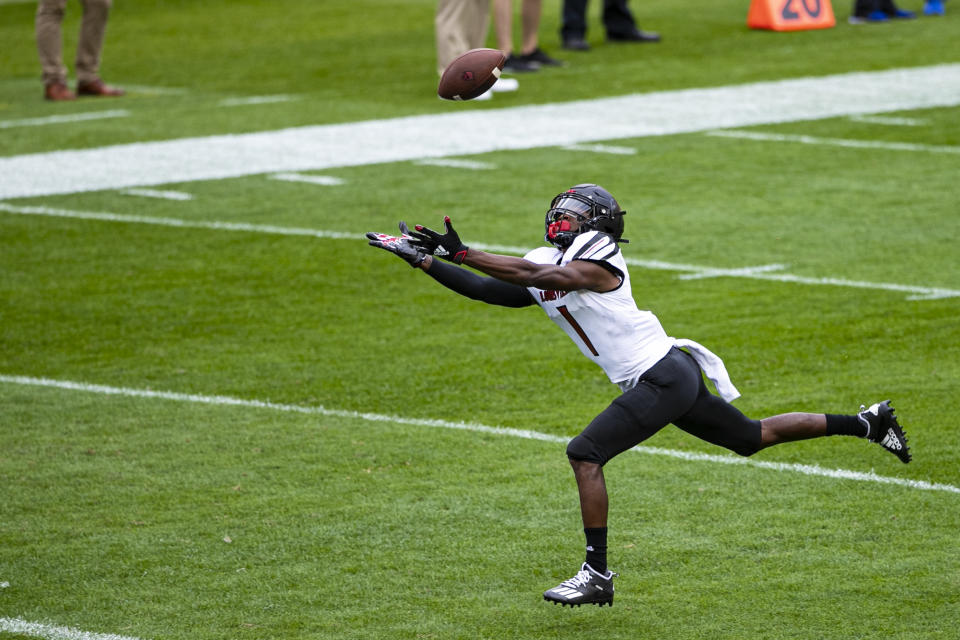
point(902, 14)
point(933, 8)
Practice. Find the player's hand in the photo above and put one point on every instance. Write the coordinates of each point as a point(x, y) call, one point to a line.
point(401, 246)
point(447, 246)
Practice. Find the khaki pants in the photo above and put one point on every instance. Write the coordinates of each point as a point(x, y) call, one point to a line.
point(50, 40)
point(461, 25)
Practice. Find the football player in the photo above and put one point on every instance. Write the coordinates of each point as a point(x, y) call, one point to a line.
point(581, 281)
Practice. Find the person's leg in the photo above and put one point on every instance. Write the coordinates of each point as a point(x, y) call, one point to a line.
point(621, 26)
point(90, 45)
point(573, 25)
point(717, 421)
point(530, 11)
point(617, 18)
point(594, 506)
point(789, 427)
point(592, 488)
point(50, 40)
point(460, 25)
point(478, 21)
point(503, 25)
point(667, 390)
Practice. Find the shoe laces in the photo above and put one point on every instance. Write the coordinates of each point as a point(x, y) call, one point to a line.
point(582, 579)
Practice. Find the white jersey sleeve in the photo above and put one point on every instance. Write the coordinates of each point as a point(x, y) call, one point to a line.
point(608, 327)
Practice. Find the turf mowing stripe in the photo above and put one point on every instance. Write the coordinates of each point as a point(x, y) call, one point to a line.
point(63, 119)
point(805, 469)
point(834, 142)
point(465, 131)
point(51, 632)
point(762, 272)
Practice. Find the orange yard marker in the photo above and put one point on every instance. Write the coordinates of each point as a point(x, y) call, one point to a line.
point(790, 15)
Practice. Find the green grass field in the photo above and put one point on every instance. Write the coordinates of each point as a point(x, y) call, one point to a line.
point(213, 434)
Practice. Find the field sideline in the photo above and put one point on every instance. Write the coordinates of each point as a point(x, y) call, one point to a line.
point(225, 417)
point(441, 135)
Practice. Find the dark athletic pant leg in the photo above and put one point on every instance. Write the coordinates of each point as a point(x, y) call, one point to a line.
point(666, 391)
point(617, 18)
point(672, 390)
point(717, 421)
point(574, 23)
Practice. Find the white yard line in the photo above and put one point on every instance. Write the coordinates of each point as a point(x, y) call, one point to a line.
point(253, 100)
point(835, 142)
point(735, 273)
point(20, 627)
point(179, 223)
point(804, 469)
point(456, 163)
point(762, 272)
point(162, 194)
point(64, 119)
point(602, 148)
point(461, 130)
point(156, 90)
point(326, 181)
point(890, 121)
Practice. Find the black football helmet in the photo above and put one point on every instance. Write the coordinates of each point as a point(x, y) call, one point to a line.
point(592, 205)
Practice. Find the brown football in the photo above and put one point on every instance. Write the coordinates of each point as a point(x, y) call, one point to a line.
point(471, 74)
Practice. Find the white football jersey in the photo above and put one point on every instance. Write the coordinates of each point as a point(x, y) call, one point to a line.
point(608, 327)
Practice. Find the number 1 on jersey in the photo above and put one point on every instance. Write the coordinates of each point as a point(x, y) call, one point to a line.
point(576, 327)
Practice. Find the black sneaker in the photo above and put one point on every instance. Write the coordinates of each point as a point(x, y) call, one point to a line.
point(540, 57)
point(636, 35)
point(516, 64)
point(883, 428)
point(575, 43)
point(587, 587)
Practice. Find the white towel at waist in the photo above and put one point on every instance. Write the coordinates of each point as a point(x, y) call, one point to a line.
point(712, 366)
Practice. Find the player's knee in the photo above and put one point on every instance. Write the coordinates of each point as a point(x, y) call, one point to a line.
point(747, 450)
point(583, 449)
point(748, 447)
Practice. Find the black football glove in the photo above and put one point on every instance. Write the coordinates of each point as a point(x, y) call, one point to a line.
point(401, 246)
point(447, 246)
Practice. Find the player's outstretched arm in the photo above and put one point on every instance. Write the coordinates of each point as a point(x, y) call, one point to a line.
point(574, 276)
point(463, 281)
point(469, 284)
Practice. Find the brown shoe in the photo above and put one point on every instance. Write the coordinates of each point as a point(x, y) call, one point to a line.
point(58, 91)
point(98, 88)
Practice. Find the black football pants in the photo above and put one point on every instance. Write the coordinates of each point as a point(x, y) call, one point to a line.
point(671, 391)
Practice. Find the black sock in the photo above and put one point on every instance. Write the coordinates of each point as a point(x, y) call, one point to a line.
point(597, 549)
point(845, 426)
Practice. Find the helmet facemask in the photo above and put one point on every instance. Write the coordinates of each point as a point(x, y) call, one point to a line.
point(591, 214)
